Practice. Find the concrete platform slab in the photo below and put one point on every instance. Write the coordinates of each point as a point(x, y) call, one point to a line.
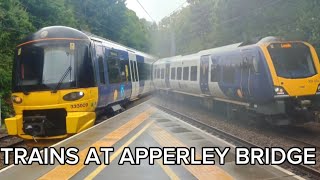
point(144, 126)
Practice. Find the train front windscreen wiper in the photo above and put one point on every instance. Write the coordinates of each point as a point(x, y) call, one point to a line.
point(62, 79)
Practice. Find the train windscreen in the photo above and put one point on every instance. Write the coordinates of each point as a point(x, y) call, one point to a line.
point(292, 60)
point(44, 65)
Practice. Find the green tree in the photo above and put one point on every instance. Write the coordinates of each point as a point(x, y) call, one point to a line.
point(14, 24)
point(49, 12)
point(212, 23)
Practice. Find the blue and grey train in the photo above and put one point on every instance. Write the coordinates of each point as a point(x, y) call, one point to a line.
point(276, 79)
point(62, 77)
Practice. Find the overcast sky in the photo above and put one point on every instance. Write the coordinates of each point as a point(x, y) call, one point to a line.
point(157, 9)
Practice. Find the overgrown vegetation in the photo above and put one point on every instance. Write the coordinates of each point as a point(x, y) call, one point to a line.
point(207, 24)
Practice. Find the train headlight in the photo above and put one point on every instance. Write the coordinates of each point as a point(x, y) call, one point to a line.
point(16, 99)
point(280, 91)
point(73, 96)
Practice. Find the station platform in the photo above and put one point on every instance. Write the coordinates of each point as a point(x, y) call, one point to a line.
point(144, 126)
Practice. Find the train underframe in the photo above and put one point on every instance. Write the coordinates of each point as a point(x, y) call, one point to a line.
point(280, 112)
point(49, 123)
point(57, 123)
point(292, 111)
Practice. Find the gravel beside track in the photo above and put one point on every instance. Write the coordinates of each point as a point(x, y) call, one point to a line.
point(9, 142)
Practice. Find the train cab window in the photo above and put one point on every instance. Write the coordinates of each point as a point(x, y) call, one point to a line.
point(101, 70)
point(86, 68)
point(179, 73)
point(228, 74)
point(194, 73)
point(186, 73)
point(162, 73)
point(173, 73)
point(113, 69)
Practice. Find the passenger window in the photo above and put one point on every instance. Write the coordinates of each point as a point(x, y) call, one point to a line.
point(155, 73)
point(173, 73)
point(158, 73)
point(215, 73)
point(143, 71)
point(113, 69)
point(228, 74)
point(101, 71)
point(179, 73)
point(193, 76)
point(162, 73)
point(186, 73)
point(148, 71)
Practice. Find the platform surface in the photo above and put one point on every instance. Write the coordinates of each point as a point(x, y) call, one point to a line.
point(144, 126)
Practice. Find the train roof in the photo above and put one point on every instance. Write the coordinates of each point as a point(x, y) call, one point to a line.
point(55, 32)
point(222, 49)
point(116, 45)
point(60, 32)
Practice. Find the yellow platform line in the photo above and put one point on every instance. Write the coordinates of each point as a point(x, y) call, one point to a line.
point(165, 139)
point(172, 175)
point(118, 152)
point(67, 171)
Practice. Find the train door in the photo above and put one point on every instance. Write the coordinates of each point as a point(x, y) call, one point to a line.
point(134, 75)
point(204, 74)
point(247, 74)
point(116, 79)
point(125, 75)
point(167, 75)
point(141, 73)
point(101, 75)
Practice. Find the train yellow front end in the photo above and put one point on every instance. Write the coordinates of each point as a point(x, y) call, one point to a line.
point(294, 67)
point(51, 115)
point(54, 91)
point(295, 71)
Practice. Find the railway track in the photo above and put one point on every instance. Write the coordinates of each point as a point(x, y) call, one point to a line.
point(238, 141)
point(9, 141)
point(303, 142)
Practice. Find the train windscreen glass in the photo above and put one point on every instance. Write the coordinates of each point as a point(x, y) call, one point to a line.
point(292, 60)
point(42, 65)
